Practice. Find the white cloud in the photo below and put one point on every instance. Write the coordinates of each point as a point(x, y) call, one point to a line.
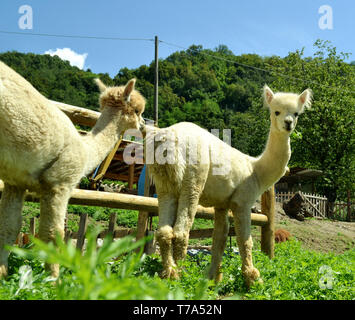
point(75, 59)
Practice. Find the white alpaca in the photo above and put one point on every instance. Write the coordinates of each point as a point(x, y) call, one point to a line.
point(222, 177)
point(40, 150)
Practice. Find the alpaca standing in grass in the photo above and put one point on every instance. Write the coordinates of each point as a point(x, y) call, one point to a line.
point(40, 150)
point(222, 177)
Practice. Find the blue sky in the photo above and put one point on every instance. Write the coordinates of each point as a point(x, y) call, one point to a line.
point(254, 26)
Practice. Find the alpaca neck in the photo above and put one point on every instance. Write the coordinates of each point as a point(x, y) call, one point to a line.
point(101, 140)
point(271, 165)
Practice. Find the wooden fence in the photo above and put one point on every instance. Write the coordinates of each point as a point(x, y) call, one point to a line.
point(316, 204)
point(319, 206)
point(344, 210)
point(149, 204)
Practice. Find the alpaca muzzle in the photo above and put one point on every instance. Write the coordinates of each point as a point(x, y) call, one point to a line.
point(288, 125)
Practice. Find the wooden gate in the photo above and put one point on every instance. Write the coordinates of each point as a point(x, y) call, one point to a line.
point(316, 204)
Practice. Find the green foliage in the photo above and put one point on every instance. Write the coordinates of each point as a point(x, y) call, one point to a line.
point(295, 273)
point(97, 274)
point(55, 79)
point(114, 271)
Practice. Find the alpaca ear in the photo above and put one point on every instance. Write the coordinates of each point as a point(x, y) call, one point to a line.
point(305, 99)
point(100, 84)
point(129, 89)
point(268, 95)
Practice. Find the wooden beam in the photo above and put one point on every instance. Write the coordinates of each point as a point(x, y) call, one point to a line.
point(119, 168)
point(207, 233)
point(33, 226)
point(132, 202)
point(156, 82)
point(83, 224)
point(77, 115)
point(106, 163)
point(112, 222)
point(268, 229)
point(131, 176)
point(120, 177)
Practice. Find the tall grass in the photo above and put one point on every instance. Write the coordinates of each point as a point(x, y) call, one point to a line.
point(116, 271)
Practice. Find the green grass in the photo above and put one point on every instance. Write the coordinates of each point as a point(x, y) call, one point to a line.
point(293, 274)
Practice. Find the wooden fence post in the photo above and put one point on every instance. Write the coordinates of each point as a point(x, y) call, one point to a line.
point(33, 226)
point(268, 230)
point(112, 223)
point(348, 205)
point(83, 224)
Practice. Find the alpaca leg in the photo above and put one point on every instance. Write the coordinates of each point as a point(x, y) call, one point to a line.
point(186, 212)
point(219, 239)
point(164, 234)
point(10, 221)
point(242, 220)
point(53, 207)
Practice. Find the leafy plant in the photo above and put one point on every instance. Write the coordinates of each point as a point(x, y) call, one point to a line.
point(104, 273)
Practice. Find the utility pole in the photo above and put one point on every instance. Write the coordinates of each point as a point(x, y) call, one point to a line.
point(156, 82)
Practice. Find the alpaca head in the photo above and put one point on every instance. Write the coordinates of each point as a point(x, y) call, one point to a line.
point(285, 108)
point(124, 103)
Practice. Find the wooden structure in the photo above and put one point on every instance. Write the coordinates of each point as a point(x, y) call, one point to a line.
point(317, 205)
point(298, 179)
point(268, 229)
point(344, 210)
point(115, 168)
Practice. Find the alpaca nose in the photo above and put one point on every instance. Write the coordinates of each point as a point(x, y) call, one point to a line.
point(288, 124)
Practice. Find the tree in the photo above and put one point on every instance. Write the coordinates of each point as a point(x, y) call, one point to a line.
point(324, 138)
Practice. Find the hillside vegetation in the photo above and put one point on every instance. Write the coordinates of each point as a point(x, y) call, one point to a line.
point(217, 89)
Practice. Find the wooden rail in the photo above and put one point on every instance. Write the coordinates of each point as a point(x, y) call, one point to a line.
point(77, 115)
point(132, 202)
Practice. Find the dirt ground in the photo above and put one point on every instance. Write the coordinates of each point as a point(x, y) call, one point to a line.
point(316, 234)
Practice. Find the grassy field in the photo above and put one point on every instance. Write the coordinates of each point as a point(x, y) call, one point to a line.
point(115, 272)
point(294, 273)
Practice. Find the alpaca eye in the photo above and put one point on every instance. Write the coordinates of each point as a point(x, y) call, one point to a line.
point(136, 111)
point(296, 114)
point(277, 113)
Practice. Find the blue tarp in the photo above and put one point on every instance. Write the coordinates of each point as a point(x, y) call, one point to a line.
point(141, 182)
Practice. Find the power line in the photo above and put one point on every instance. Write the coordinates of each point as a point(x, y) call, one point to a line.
point(74, 36)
